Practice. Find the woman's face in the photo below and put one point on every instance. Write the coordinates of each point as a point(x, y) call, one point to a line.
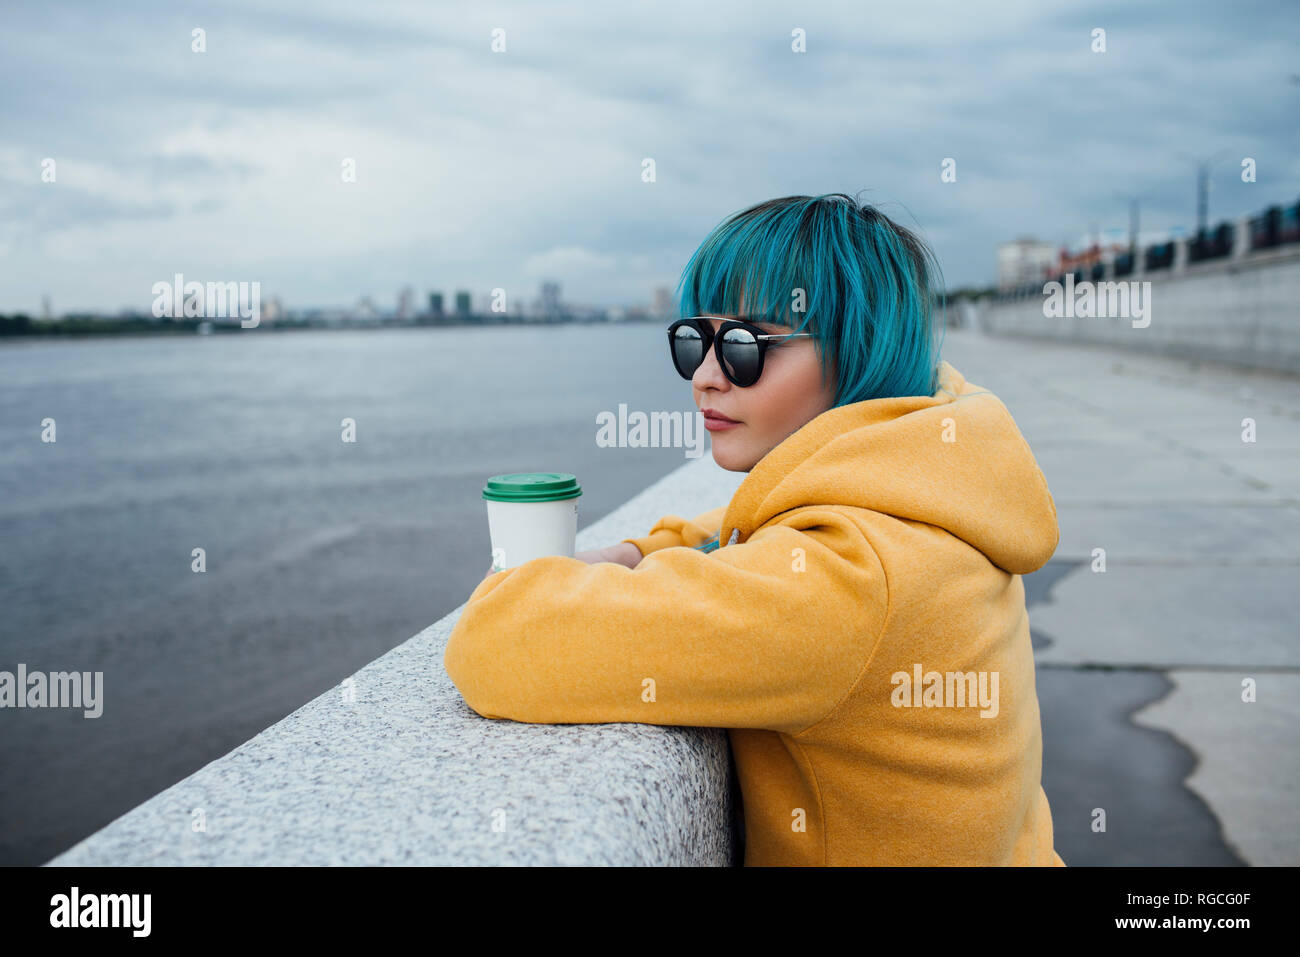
point(789, 393)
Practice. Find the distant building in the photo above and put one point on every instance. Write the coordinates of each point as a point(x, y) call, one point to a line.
point(1088, 257)
point(1024, 262)
point(435, 304)
point(406, 303)
point(463, 308)
point(663, 304)
point(365, 309)
point(551, 304)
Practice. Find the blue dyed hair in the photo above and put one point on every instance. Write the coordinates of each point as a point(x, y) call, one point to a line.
point(865, 280)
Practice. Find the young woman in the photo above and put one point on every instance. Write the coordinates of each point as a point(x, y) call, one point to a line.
point(855, 614)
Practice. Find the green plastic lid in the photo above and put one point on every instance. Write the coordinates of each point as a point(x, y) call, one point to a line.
point(532, 487)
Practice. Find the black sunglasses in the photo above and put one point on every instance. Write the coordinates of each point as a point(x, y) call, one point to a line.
point(738, 346)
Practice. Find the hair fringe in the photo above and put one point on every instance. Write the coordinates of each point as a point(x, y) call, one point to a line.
point(868, 285)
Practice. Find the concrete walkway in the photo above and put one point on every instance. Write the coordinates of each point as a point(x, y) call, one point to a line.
point(1143, 666)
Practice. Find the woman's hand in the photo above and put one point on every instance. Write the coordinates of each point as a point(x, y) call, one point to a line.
point(624, 553)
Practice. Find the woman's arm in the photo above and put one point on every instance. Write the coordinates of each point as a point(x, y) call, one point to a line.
point(772, 633)
point(673, 530)
point(624, 553)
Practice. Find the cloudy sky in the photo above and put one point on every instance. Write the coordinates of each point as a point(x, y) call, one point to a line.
point(478, 169)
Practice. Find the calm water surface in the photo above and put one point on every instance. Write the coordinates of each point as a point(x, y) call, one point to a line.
point(321, 555)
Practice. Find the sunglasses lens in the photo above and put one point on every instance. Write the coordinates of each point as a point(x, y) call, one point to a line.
point(740, 356)
point(688, 350)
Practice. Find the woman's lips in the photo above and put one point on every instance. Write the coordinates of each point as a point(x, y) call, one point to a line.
point(716, 422)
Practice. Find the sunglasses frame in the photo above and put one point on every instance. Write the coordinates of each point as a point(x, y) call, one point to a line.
point(713, 340)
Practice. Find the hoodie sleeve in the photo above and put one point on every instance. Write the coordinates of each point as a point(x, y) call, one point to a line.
point(772, 633)
point(674, 530)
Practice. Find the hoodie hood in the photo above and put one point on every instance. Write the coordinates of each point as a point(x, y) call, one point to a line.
point(955, 460)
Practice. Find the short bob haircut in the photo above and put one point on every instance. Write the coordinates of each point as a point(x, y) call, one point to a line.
point(865, 284)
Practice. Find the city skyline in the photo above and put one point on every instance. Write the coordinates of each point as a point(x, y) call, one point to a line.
point(408, 302)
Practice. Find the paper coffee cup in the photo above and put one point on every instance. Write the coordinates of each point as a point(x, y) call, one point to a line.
point(531, 515)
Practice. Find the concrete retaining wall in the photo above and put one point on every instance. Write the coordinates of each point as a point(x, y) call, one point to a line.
point(1244, 311)
point(392, 767)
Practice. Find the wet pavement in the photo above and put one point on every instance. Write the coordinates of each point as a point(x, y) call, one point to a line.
point(1164, 626)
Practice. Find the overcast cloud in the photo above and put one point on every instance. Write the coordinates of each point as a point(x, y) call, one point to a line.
point(478, 169)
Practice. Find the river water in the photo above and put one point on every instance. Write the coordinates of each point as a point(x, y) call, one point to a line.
point(321, 554)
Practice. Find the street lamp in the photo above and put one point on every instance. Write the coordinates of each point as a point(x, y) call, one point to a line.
point(1203, 187)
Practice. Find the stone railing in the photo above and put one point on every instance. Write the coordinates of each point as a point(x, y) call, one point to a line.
point(392, 767)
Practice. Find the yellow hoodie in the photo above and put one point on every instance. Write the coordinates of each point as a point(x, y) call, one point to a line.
point(862, 635)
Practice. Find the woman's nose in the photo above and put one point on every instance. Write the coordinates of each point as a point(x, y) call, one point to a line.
point(709, 375)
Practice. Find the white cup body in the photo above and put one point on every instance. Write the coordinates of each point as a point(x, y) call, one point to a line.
point(522, 531)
